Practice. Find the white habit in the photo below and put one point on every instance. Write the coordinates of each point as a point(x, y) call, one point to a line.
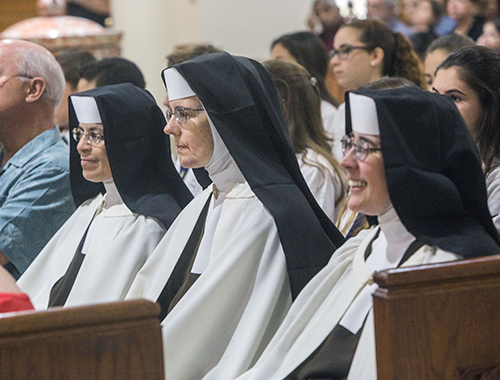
point(231, 312)
point(117, 245)
point(341, 292)
point(243, 286)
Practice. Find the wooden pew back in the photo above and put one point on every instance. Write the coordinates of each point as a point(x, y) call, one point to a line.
point(439, 322)
point(119, 341)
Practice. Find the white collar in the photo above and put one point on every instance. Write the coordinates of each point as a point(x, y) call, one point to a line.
point(222, 168)
point(391, 244)
point(395, 232)
point(112, 196)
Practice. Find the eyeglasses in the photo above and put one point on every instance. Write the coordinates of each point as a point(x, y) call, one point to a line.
point(92, 137)
point(362, 147)
point(345, 50)
point(181, 113)
point(13, 76)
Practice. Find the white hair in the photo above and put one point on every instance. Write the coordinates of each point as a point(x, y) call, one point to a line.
point(39, 63)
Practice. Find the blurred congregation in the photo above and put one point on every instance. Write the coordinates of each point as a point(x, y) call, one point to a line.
point(251, 180)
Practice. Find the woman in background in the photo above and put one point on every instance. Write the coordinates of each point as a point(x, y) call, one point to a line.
point(364, 52)
point(437, 52)
point(367, 50)
point(308, 51)
point(425, 17)
point(491, 35)
point(471, 78)
point(468, 14)
point(300, 97)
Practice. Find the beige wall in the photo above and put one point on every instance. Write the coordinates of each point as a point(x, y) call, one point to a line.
point(153, 27)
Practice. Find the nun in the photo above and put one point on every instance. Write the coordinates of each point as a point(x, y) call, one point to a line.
point(228, 269)
point(412, 163)
point(128, 193)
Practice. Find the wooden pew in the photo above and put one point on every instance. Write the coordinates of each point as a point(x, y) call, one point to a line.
point(439, 322)
point(119, 341)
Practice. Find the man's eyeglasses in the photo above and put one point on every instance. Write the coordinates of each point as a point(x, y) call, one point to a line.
point(13, 76)
point(362, 147)
point(92, 137)
point(345, 50)
point(181, 113)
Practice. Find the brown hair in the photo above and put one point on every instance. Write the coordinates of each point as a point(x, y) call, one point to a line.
point(450, 43)
point(71, 61)
point(301, 101)
point(310, 52)
point(186, 52)
point(400, 60)
point(479, 68)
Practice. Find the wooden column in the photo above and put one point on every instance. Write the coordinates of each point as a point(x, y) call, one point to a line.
point(13, 11)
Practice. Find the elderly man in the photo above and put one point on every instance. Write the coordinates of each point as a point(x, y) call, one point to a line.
point(35, 195)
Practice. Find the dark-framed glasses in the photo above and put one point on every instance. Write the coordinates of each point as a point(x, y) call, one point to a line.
point(93, 137)
point(345, 50)
point(14, 76)
point(362, 147)
point(181, 113)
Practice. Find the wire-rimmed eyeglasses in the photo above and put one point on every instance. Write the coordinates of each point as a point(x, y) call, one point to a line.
point(362, 147)
point(93, 137)
point(14, 76)
point(181, 113)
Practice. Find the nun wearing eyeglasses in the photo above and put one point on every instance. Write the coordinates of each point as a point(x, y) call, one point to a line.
point(412, 163)
point(128, 193)
point(228, 269)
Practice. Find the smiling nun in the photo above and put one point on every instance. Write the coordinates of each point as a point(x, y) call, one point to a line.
point(411, 162)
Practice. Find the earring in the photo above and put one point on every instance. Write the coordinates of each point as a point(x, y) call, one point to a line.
point(372, 63)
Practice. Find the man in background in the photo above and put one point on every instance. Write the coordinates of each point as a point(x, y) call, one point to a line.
point(108, 71)
point(328, 14)
point(70, 62)
point(35, 194)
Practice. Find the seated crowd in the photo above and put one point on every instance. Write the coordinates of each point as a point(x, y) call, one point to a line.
point(293, 181)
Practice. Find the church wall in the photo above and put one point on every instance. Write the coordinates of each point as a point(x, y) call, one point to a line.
point(153, 27)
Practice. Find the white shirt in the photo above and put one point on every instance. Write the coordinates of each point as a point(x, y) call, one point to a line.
point(334, 124)
point(324, 183)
